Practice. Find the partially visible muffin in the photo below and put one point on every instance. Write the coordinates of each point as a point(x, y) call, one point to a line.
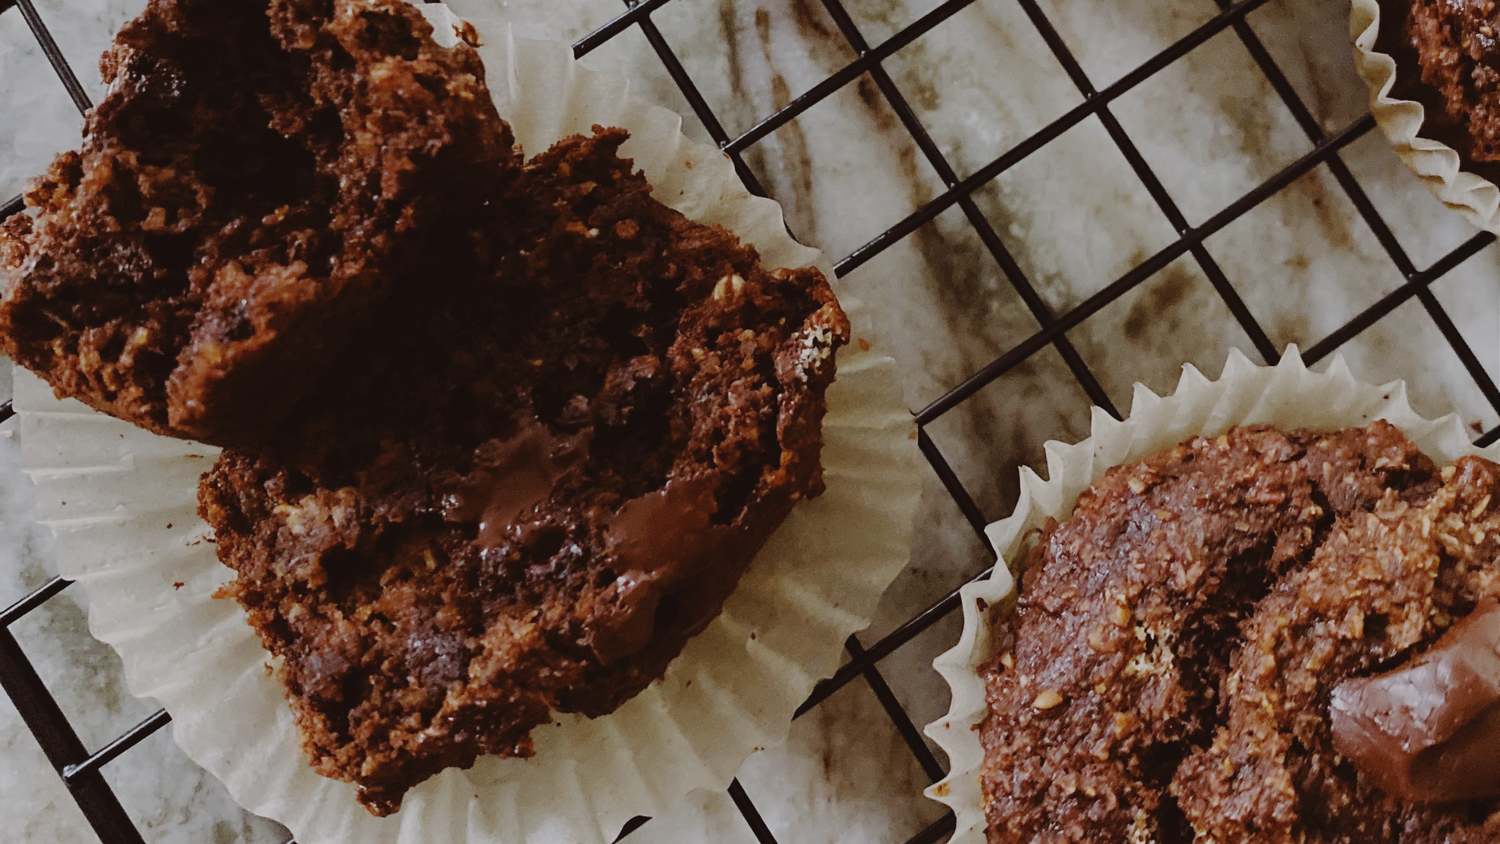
point(1167, 671)
point(1448, 59)
point(550, 475)
point(256, 177)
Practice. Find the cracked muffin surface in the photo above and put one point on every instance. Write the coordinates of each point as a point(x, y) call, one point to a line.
point(1166, 673)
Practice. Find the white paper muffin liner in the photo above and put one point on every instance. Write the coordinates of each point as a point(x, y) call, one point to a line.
point(1287, 395)
point(1438, 165)
point(123, 505)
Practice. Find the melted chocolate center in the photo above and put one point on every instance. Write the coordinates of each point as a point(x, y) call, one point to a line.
point(1430, 732)
point(658, 541)
point(512, 476)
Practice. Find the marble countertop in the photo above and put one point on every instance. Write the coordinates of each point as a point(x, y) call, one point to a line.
point(1073, 214)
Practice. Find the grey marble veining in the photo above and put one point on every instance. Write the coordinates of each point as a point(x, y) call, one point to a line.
point(1073, 215)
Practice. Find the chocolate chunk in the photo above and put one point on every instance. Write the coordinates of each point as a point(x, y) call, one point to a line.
point(1430, 731)
point(512, 476)
point(663, 531)
point(1126, 615)
point(657, 539)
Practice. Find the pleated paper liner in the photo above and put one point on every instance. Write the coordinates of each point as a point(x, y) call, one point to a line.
point(123, 505)
point(1440, 167)
point(1287, 395)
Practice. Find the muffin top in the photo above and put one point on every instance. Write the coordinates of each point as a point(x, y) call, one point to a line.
point(1167, 673)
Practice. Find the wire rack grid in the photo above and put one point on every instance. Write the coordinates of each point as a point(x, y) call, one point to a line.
point(80, 768)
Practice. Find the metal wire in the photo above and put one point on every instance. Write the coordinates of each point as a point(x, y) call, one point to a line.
point(81, 770)
point(54, 56)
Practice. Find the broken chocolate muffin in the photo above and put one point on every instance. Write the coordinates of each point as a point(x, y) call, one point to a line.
point(548, 476)
point(1167, 673)
point(254, 181)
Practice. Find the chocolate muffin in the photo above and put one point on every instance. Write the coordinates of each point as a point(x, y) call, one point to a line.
point(1448, 59)
point(546, 479)
point(1168, 670)
point(255, 179)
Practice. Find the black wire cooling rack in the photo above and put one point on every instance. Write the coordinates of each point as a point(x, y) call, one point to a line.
point(80, 768)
